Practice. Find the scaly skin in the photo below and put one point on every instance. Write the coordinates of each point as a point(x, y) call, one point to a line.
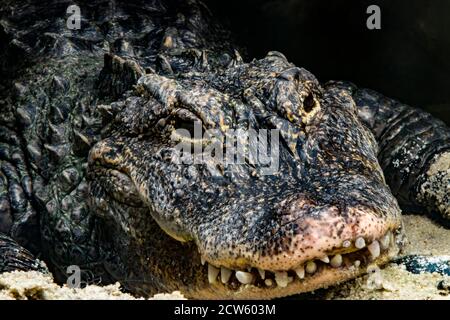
point(88, 175)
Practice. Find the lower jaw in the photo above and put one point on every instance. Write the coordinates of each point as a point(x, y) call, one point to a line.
point(323, 277)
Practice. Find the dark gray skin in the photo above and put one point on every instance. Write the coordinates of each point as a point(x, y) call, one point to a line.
point(88, 177)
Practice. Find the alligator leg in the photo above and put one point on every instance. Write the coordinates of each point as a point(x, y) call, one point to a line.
point(414, 150)
point(18, 219)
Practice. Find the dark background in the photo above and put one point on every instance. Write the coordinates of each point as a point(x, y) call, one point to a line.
point(408, 59)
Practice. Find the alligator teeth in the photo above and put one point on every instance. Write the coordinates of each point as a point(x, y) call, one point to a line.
point(384, 241)
point(336, 261)
point(244, 277)
point(281, 278)
point(225, 274)
point(262, 273)
point(374, 249)
point(360, 243)
point(213, 272)
point(346, 244)
point(311, 267)
point(300, 271)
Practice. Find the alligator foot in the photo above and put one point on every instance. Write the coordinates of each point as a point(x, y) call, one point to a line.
point(14, 257)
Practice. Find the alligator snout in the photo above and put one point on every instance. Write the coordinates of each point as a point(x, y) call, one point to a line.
point(296, 239)
point(314, 234)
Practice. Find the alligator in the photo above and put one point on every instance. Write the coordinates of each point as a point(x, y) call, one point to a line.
point(90, 128)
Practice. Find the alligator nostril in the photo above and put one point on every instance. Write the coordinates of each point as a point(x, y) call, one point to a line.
point(309, 103)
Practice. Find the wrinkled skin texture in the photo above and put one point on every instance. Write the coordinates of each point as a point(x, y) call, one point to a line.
point(88, 171)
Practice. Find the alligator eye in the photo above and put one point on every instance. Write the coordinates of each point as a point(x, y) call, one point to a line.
point(309, 103)
point(186, 122)
point(186, 130)
point(188, 125)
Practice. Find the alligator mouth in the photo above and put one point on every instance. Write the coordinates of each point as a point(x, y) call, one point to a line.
point(311, 247)
point(276, 245)
point(353, 258)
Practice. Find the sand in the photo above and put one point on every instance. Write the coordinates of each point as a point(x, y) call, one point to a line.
point(425, 237)
point(35, 285)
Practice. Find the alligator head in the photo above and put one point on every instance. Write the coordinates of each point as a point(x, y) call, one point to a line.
point(211, 229)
